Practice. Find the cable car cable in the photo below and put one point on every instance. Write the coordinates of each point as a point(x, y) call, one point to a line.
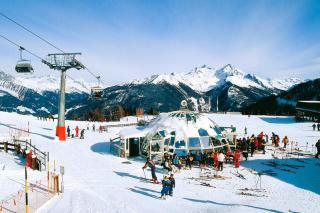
point(44, 40)
point(23, 48)
point(20, 25)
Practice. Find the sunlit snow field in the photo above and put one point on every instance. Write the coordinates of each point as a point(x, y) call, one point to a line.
point(96, 181)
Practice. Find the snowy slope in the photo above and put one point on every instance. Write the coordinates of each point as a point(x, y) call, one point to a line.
point(96, 181)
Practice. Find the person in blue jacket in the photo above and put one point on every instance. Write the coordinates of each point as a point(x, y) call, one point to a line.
point(165, 187)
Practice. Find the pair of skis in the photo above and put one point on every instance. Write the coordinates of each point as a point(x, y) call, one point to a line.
point(239, 175)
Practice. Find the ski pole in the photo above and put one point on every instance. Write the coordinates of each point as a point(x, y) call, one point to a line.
point(144, 174)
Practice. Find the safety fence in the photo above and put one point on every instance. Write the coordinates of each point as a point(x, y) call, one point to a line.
point(20, 147)
point(30, 197)
point(105, 127)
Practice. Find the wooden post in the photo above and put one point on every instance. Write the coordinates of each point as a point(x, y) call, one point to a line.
point(5, 146)
point(26, 189)
point(48, 174)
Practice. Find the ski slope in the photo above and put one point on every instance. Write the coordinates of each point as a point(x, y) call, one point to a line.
point(96, 181)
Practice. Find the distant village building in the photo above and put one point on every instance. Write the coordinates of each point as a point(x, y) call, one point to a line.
point(308, 110)
point(139, 112)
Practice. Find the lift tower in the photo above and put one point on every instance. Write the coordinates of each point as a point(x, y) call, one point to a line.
point(62, 62)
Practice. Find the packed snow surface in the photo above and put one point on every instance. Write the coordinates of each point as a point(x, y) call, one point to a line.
point(96, 181)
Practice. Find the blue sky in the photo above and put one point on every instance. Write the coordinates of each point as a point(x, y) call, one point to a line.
point(122, 40)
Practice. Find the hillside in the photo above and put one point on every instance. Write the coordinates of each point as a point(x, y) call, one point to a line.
point(234, 89)
point(285, 102)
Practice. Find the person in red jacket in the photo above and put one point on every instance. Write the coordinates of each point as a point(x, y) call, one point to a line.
point(216, 160)
point(77, 131)
point(29, 158)
point(237, 157)
point(149, 163)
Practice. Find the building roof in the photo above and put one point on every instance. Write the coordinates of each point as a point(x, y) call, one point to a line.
point(185, 124)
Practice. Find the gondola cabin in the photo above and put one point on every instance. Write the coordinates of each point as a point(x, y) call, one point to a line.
point(96, 92)
point(24, 66)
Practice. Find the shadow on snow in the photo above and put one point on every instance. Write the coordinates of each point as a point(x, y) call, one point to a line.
point(300, 172)
point(101, 148)
point(231, 204)
point(279, 120)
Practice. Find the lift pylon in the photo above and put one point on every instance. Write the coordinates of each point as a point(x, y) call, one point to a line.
point(62, 62)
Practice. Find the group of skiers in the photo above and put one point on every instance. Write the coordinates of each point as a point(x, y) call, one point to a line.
point(100, 129)
point(168, 182)
point(314, 126)
point(74, 133)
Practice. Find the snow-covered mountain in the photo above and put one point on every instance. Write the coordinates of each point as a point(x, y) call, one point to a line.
point(38, 95)
point(51, 83)
point(204, 78)
point(234, 89)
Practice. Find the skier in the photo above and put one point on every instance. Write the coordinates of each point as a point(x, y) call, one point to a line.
point(216, 160)
point(68, 131)
point(277, 140)
point(245, 131)
point(318, 148)
point(93, 127)
point(167, 165)
point(165, 187)
point(318, 125)
point(176, 162)
point(152, 166)
point(237, 157)
point(82, 134)
point(88, 126)
point(252, 146)
point(285, 141)
point(314, 127)
point(245, 149)
point(221, 158)
point(77, 131)
point(172, 184)
point(189, 159)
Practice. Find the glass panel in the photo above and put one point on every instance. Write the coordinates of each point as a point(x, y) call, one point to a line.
point(205, 142)
point(155, 146)
point(162, 133)
point(181, 152)
point(180, 144)
point(217, 130)
point(156, 136)
point(216, 142)
point(171, 141)
point(166, 141)
point(194, 142)
point(203, 132)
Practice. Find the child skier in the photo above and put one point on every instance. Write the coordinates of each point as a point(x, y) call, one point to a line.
point(285, 141)
point(77, 131)
point(165, 187)
point(82, 134)
point(172, 184)
point(152, 166)
point(68, 131)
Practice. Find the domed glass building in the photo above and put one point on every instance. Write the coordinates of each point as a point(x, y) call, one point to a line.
point(176, 132)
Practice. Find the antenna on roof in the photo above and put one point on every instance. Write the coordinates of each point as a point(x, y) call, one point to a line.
point(184, 105)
